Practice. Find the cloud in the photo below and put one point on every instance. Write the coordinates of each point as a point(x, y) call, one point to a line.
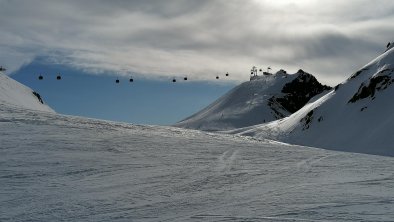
point(199, 38)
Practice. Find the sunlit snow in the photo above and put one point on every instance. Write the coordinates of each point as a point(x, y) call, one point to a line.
point(56, 167)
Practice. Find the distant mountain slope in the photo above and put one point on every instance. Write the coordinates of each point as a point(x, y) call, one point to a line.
point(357, 116)
point(263, 99)
point(16, 94)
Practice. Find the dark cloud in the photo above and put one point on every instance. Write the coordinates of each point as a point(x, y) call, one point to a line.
point(198, 37)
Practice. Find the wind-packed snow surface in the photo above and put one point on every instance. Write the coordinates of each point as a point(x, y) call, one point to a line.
point(63, 168)
point(15, 94)
point(357, 116)
point(263, 99)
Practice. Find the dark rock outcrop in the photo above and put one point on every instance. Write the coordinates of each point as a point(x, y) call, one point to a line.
point(376, 83)
point(38, 97)
point(307, 120)
point(299, 91)
point(354, 75)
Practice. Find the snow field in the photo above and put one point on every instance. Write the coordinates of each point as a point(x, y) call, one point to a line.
point(63, 168)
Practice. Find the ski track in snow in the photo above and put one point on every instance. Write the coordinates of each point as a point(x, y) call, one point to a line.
point(227, 160)
point(63, 168)
point(308, 163)
point(245, 218)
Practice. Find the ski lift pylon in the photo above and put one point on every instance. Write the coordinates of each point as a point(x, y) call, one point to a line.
point(253, 71)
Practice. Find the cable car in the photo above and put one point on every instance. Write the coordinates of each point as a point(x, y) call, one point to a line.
point(117, 81)
point(227, 74)
point(40, 77)
point(185, 78)
point(58, 77)
point(217, 77)
point(173, 80)
point(2, 69)
point(131, 79)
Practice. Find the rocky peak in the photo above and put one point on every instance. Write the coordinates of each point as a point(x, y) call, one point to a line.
point(263, 99)
point(299, 91)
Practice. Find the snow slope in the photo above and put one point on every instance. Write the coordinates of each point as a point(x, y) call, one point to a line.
point(16, 94)
point(357, 116)
point(263, 99)
point(63, 168)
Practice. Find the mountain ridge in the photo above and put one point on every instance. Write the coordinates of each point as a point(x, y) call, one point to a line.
point(356, 116)
point(14, 93)
point(263, 99)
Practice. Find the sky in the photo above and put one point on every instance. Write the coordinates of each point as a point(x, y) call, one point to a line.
point(155, 40)
point(143, 101)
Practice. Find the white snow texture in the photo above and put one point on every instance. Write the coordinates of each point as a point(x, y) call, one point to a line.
point(63, 168)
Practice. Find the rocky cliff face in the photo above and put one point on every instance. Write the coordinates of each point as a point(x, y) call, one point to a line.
point(298, 92)
point(378, 82)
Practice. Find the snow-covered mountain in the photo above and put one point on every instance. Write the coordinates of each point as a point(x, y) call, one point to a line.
point(16, 94)
point(263, 99)
point(357, 115)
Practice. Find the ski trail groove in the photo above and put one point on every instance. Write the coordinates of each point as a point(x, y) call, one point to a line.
point(211, 217)
point(308, 163)
point(226, 160)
